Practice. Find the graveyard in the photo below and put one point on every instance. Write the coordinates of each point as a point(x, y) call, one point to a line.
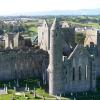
point(34, 89)
point(30, 89)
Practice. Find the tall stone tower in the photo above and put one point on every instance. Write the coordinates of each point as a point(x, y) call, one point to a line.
point(98, 42)
point(56, 81)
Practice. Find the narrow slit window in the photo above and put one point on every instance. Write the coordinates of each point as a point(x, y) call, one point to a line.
point(79, 72)
point(73, 76)
point(86, 72)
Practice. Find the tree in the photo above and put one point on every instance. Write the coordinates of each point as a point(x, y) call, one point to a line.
point(1, 32)
point(79, 38)
point(10, 27)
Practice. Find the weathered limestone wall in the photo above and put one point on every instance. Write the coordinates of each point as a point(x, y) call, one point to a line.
point(97, 58)
point(16, 40)
point(76, 84)
point(56, 78)
point(83, 78)
point(43, 36)
point(22, 63)
point(91, 36)
point(6, 41)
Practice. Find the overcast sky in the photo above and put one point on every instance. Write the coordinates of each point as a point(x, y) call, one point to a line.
point(8, 7)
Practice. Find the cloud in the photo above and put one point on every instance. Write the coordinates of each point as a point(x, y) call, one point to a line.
point(20, 6)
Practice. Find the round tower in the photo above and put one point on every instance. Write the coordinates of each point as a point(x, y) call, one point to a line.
point(56, 81)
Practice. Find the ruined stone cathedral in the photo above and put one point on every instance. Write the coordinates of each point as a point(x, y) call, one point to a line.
point(72, 73)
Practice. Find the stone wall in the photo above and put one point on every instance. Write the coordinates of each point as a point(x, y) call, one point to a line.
point(79, 71)
point(43, 36)
point(91, 36)
point(97, 57)
point(22, 63)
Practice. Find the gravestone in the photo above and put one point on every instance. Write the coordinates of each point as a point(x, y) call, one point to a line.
point(26, 87)
point(6, 89)
point(14, 88)
point(43, 78)
point(34, 93)
point(60, 97)
point(17, 83)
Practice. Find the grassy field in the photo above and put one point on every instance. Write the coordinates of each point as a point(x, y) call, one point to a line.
point(28, 95)
point(6, 97)
point(40, 92)
point(31, 83)
point(95, 25)
point(10, 96)
point(31, 28)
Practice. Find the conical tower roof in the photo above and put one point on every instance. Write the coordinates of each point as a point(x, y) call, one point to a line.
point(56, 24)
point(45, 23)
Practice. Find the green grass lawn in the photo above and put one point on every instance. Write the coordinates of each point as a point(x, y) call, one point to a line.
point(27, 94)
point(40, 91)
point(9, 96)
point(31, 83)
point(95, 25)
point(6, 97)
point(33, 29)
point(31, 97)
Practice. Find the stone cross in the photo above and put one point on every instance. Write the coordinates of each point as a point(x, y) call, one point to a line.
point(34, 93)
point(60, 97)
point(74, 98)
point(26, 87)
point(6, 89)
point(24, 94)
point(14, 88)
point(17, 83)
point(71, 94)
point(43, 79)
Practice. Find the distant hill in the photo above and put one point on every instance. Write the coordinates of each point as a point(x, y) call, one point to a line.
point(60, 12)
point(67, 12)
